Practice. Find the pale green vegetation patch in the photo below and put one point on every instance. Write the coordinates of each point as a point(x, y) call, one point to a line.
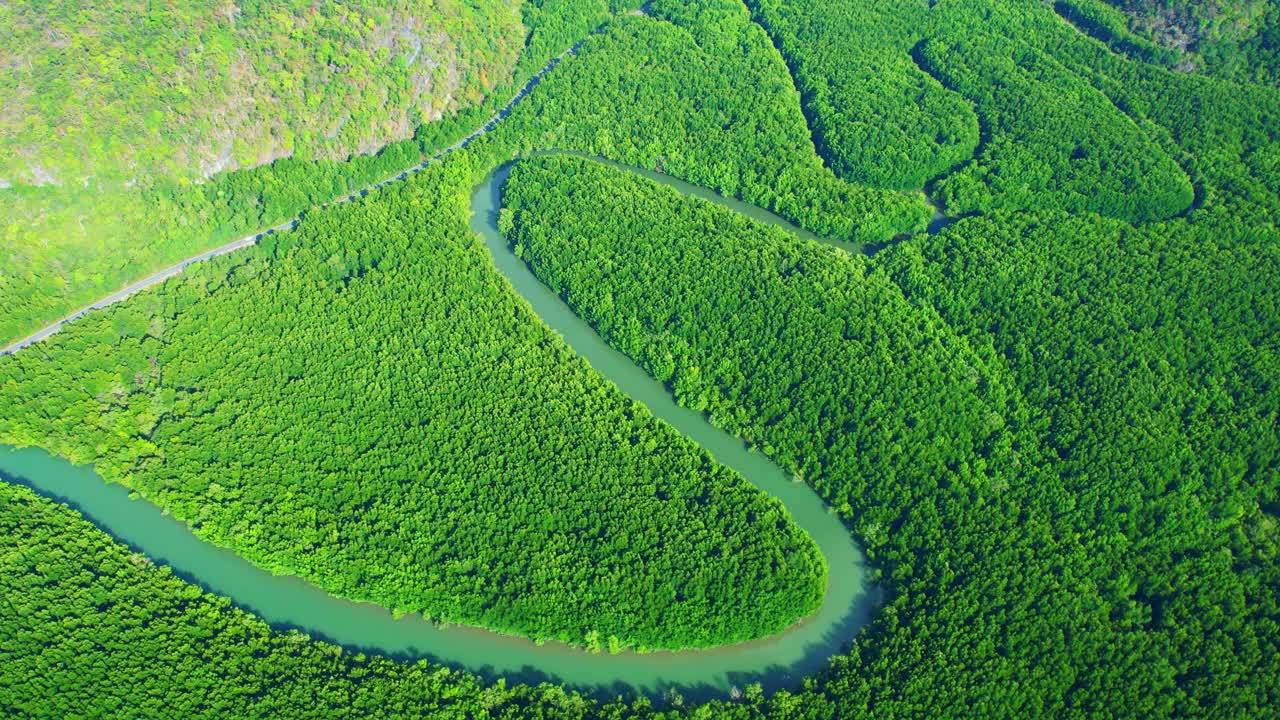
point(110, 94)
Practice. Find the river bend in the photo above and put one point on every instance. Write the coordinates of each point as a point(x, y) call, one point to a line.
point(287, 602)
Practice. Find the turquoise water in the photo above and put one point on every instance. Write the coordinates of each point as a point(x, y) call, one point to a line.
point(288, 602)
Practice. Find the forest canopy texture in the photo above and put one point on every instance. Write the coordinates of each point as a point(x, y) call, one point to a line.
point(1051, 421)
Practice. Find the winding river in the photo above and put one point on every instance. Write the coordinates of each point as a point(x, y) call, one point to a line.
point(287, 602)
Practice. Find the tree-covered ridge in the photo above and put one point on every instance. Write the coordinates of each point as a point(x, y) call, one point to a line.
point(1128, 503)
point(877, 118)
point(703, 95)
point(104, 95)
point(1051, 140)
point(364, 404)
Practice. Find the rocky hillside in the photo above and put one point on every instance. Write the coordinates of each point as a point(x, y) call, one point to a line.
point(123, 93)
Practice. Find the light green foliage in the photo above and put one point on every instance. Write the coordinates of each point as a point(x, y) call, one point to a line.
point(62, 247)
point(137, 92)
point(876, 117)
point(643, 108)
point(1052, 140)
point(110, 111)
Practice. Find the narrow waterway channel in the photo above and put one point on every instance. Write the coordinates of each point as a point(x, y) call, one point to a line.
point(287, 602)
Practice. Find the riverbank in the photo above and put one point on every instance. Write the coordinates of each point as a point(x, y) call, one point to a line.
point(289, 603)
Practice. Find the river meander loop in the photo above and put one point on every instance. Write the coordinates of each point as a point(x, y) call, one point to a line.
point(287, 602)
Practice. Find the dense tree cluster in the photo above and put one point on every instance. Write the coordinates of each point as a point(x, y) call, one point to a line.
point(734, 125)
point(1222, 133)
point(794, 327)
point(1110, 388)
point(361, 404)
point(876, 117)
point(554, 27)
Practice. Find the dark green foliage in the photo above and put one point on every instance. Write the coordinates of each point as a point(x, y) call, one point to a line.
point(1262, 51)
point(92, 630)
point(1051, 141)
point(876, 117)
point(734, 125)
point(1102, 463)
point(1222, 133)
point(370, 410)
point(869, 74)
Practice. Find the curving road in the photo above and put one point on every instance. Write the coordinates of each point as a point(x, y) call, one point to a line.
point(253, 239)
